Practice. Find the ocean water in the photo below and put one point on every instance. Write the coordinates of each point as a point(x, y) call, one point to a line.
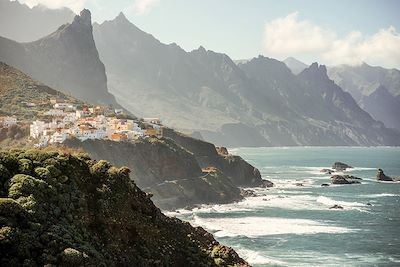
point(291, 225)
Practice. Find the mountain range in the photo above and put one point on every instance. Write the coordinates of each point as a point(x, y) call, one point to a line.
point(257, 102)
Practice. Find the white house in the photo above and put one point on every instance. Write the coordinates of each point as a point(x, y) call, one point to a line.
point(55, 112)
point(43, 141)
point(8, 121)
point(58, 137)
point(36, 128)
point(64, 106)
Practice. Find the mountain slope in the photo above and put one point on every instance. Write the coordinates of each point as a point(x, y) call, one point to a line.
point(23, 24)
point(383, 106)
point(374, 88)
point(17, 90)
point(66, 60)
point(365, 79)
point(61, 209)
point(296, 66)
point(256, 103)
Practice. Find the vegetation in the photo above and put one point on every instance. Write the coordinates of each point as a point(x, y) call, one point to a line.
point(62, 208)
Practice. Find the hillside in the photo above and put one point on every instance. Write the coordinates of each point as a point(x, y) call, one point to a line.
point(24, 97)
point(24, 24)
point(258, 102)
point(66, 60)
point(68, 210)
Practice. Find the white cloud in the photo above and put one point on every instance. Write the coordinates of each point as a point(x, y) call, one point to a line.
point(142, 7)
point(75, 5)
point(290, 36)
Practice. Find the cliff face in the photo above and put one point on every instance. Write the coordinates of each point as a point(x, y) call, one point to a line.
point(66, 60)
point(238, 170)
point(68, 210)
point(166, 170)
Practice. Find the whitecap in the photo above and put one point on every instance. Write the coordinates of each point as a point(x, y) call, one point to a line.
point(263, 226)
point(380, 195)
point(255, 257)
point(348, 205)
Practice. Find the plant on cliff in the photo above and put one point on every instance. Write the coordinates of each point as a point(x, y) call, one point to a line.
point(68, 210)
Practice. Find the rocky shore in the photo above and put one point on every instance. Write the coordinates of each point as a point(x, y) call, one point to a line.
point(177, 170)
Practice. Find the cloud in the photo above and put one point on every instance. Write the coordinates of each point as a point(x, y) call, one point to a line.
point(142, 7)
point(75, 5)
point(290, 36)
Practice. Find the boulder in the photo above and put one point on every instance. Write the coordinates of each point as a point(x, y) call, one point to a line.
point(247, 193)
point(327, 171)
point(340, 166)
point(345, 179)
point(222, 150)
point(267, 183)
point(380, 176)
point(324, 184)
point(336, 206)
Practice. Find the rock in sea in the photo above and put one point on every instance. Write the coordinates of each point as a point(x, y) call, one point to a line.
point(340, 166)
point(345, 179)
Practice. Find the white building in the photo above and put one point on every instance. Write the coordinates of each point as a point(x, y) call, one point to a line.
point(36, 128)
point(8, 121)
point(58, 137)
point(43, 141)
point(55, 112)
point(64, 106)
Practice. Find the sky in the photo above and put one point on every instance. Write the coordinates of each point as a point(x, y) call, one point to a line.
point(330, 32)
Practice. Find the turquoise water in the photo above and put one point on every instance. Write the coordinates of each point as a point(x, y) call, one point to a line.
point(292, 225)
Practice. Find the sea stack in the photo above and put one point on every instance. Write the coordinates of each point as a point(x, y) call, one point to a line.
point(380, 176)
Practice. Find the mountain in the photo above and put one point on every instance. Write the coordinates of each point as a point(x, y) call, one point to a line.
point(65, 209)
point(383, 106)
point(24, 24)
point(296, 66)
point(259, 102)
point(374, 88)
point(364, 79)
point(66, 60)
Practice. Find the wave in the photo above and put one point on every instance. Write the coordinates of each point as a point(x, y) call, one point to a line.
point(264, 226)
point(254, 257)
point(348, 205)
point(380, 195)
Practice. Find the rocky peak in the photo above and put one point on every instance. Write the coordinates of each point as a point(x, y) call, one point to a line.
point(121, 18)
point(316, 72)
point(84, 18)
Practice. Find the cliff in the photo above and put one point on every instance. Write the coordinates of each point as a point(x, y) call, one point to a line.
point(66, 60)
point(238, 170)
point(166, 170)
point(68, 210)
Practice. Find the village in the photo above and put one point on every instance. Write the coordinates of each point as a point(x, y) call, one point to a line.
point(66, 121)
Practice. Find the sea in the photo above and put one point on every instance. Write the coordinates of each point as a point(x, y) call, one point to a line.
point(292, 224)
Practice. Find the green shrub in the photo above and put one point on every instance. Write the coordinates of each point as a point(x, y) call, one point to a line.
point(25, 185)
point(42, 173)
point(25, 166)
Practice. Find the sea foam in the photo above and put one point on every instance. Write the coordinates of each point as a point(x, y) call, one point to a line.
point(263, 226)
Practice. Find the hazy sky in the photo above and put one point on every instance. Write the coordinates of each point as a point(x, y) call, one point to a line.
point(331, 32)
